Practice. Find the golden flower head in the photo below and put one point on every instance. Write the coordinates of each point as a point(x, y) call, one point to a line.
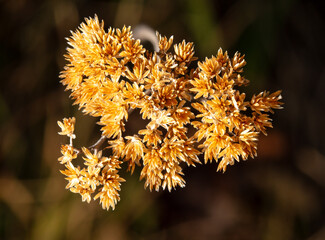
point(67, 127)
point(110, 74)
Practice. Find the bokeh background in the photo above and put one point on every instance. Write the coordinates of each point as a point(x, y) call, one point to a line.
point(278, 195)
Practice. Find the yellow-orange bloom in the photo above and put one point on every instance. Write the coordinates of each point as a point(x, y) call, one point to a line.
point(110, 74)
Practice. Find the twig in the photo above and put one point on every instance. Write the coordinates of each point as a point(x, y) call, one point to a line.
point(97, 144)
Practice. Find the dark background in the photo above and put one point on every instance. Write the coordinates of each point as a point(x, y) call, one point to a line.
point(278, 195)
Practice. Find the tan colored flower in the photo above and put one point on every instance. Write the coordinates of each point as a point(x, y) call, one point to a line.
point(133, 151)
point(151, 136)
point(152, 170)
point(164, 43)
point(67, 127)
point(109, 193)
point(184, 52)
point(68, 154)
point(210, 67)
point(110, 74)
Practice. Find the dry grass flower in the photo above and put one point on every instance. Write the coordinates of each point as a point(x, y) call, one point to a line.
point(109, 74)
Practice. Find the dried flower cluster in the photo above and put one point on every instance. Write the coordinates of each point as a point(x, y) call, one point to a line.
point(109, 74)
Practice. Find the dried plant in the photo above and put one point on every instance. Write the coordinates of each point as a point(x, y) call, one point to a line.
point(110, 74)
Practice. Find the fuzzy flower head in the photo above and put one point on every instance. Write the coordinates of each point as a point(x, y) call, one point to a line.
point(67, 127)
point(110, 74)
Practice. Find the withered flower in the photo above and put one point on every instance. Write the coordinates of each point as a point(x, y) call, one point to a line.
point(109, 74)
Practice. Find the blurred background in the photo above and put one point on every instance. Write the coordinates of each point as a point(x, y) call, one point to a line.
point(278, 195)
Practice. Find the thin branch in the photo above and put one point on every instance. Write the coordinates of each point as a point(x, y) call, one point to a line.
point(99, 142)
